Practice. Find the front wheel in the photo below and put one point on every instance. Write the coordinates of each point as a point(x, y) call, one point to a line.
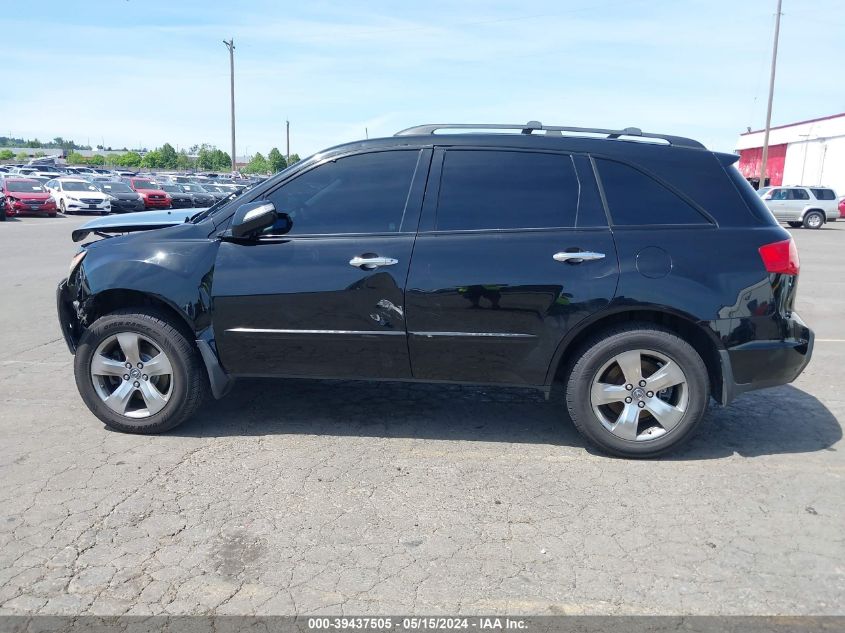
point(813, 220)
point(637, 390)
point(138, 373)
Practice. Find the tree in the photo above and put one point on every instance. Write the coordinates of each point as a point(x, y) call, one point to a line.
point(183, 161)
point(294, 158)
point(127, 159)
point(75, 158)
point(22, 156)
point(276, 161)
point(168, 156)
point(6, 154)
point(152, 159)
point(97, 159)
point(257, 165)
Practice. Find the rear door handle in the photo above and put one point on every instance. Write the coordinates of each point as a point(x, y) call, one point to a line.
point(577, 257)
point(368, 263)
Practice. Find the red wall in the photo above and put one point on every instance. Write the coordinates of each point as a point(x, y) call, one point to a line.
point(750, 160)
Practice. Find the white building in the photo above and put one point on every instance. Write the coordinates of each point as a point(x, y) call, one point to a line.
point(804, 153)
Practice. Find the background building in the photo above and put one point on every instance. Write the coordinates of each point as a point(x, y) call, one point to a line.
point(803, 153)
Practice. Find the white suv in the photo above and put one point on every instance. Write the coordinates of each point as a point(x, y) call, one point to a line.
point(76, 195)
point(809, 207)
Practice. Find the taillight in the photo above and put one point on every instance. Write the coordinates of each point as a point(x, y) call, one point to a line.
point(780, 257)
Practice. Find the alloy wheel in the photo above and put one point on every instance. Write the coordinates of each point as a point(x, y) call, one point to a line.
point(132, 375)
point(639, 395)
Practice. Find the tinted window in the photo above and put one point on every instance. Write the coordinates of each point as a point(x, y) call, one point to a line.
point(365, 193)
point(824, 194)
point(798, 194)
point(506, 190)
point(636, 199)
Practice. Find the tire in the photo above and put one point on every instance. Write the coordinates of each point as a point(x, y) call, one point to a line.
point(629, 429)
point(795, 225)
point(814, 220)
point(144, 404)
point(62, 207)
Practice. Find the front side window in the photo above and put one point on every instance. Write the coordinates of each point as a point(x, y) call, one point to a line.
point(636, 199)
point(363, 193)
point(778, 194)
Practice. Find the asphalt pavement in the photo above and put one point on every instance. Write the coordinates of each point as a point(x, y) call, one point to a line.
point(350, 498)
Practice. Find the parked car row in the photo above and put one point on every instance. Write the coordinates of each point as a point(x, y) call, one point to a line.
point(105, 194)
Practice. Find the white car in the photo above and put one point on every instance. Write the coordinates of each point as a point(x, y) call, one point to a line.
point(74, 195)
point(809, 207)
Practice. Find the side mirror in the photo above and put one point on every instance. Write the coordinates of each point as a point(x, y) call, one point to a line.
point(252, 217)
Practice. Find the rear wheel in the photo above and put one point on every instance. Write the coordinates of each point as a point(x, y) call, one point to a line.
point(138, 373)
point(813, 220)
point(637, 390)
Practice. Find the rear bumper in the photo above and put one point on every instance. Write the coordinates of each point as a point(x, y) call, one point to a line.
point(767, 363)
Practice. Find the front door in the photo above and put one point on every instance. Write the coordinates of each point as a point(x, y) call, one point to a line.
point(513, 251)
point(325, 299)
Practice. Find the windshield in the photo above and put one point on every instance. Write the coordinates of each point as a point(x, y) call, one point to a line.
point(75, 185)
point(145, 184)
point(213, 188)
point(171, 188)
point(24, 185)
point(194, 188)
point(115, 187)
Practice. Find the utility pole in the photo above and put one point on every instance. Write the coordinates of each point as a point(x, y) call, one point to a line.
point(231, 46)
point(287, 146)
point(765, 156)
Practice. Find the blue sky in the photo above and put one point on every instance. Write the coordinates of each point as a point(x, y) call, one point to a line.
point(126, 72)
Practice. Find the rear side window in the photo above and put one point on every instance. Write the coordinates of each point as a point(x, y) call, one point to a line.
point(824, 194)
point(798, 194)
point(481, 189)
point(636, 199)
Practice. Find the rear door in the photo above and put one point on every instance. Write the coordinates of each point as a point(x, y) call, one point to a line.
point(496, 279)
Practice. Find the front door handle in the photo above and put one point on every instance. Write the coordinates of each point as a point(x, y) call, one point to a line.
point(368, 263)
point(577, 257)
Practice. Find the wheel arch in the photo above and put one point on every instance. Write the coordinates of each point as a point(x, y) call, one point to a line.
point(811, 209)
point(701, 337)
point(108, 301)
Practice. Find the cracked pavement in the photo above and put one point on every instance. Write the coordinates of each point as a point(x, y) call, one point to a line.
point(300, 497)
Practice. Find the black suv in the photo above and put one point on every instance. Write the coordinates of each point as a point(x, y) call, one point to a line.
point(640, 270)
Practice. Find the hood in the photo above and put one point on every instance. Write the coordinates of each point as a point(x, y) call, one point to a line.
point(28, 195)
point(99, 195)
point(129, 222)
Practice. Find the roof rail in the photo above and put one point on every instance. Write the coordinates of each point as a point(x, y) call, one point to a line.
point(551, 130)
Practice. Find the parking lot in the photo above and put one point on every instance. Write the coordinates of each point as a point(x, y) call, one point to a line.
point(299, 497)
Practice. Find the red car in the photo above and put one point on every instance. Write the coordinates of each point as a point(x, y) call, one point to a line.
point(154, 197)
point(27, 196)
point(842, 209)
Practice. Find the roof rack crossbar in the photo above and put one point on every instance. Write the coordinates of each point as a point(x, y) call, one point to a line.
point(555, 130)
